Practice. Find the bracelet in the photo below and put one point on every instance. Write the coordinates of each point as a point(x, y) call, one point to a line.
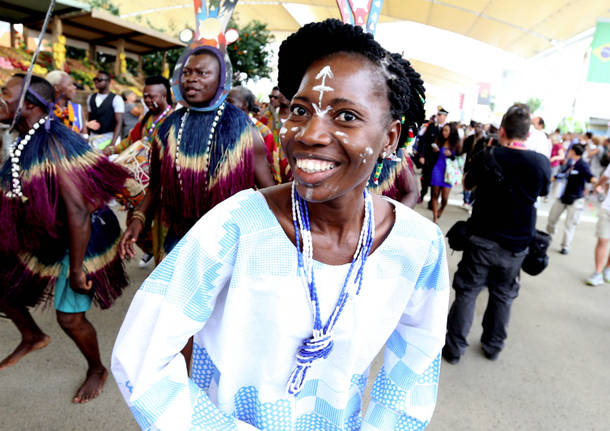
point(139, 215)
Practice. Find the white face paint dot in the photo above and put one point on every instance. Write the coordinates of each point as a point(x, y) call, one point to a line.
point(296, 129)
point(283, 131)
point(368, 150)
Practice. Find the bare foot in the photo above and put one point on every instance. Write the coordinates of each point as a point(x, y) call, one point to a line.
point(25, 347)
point(92, 386)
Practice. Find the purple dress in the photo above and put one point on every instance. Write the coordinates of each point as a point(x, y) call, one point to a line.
point(438, 171)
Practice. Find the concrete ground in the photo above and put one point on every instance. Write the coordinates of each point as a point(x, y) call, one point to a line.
point(553, 374)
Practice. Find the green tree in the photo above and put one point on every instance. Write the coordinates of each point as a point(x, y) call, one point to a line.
point(152, 64)
point(570, 124)
point(534, 103)
point(250, 54)
point(106, 5)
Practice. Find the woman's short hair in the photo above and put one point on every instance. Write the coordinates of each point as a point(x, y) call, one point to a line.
point(317, 40)
point(55, 76)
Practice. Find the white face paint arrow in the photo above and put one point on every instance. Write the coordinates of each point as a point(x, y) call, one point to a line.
point(325, 73)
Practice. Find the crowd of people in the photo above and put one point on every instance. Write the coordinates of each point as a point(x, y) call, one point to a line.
point(238, 202)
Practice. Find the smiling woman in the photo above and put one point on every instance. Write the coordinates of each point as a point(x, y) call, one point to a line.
point(290, 292)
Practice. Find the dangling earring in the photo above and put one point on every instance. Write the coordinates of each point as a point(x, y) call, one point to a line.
point(378, 170)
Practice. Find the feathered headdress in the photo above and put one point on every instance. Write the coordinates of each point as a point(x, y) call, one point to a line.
point(211, 36)
point(363, 13)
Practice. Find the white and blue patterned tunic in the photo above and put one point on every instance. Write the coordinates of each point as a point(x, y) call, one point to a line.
point(232, 283)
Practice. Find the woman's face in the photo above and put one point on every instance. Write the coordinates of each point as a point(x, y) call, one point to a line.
point(339, 125)
point(446, 132)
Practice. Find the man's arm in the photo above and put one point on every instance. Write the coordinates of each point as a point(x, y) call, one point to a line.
point(603, 181)
point(78, 213)
point(262, 172)
point(118, 127)
point(135, 225)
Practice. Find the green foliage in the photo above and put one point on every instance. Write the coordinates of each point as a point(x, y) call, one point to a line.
point(76, 53)
point(81, 79)
point(106, 5)
point(534, 103)
point(250, 53)
point(152, 64)
point(571, 125)
point(132, 66)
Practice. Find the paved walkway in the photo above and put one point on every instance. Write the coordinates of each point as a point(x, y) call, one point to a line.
point(553, 375)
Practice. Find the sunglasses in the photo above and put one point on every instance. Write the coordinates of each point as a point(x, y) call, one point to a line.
point(99, 79)
point(271, 96)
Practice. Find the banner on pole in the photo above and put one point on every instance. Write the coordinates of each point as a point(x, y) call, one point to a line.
point(364, 13)
point(599, 63)
point(484, 97)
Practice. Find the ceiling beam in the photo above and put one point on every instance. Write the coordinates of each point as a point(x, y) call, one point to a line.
point(115, 37)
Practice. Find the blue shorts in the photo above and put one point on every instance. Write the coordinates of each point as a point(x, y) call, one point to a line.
point(66, 299)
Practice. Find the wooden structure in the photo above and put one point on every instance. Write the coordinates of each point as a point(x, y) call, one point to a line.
point(97, 28)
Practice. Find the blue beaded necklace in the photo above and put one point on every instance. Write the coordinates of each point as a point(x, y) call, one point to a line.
point(320, 344)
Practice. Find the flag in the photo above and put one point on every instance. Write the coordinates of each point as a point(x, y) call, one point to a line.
point(484, 93)
point(599, 63)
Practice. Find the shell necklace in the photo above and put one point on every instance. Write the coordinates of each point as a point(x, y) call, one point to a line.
point(209, 143)
point(15, 156)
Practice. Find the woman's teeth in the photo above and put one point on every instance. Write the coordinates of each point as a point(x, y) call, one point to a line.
point(312, 166)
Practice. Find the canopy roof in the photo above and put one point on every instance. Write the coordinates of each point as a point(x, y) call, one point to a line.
point(27, 11)
point(95, 27)
point(523, 27)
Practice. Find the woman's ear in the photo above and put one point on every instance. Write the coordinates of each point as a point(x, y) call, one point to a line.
point(392, 136)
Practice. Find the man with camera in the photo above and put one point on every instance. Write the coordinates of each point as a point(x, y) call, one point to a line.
point(508, 181)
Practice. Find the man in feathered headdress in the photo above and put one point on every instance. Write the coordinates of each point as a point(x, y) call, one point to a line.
point(204, 152)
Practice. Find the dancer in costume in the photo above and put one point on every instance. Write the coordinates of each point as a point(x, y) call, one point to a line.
point(290, 292)
point(70, 113)
point(58, 237)
point(243, 99)
point(202, 154)
point(157, 97)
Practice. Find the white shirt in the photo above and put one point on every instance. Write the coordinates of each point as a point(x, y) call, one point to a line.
point(538, 142)
point(233, 283)
point(118, 105)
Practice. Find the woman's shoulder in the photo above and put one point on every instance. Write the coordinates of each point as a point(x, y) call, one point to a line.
point(246, 212)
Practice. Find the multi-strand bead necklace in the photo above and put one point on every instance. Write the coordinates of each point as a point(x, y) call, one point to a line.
point(320, 344)
point(209, 143)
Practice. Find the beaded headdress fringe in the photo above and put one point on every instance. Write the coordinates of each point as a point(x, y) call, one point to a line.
point(28, 225)
point(229, 171)
point(388, 184)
